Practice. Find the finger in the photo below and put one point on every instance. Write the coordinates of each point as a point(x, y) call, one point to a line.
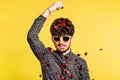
point(58, 8)
point(61, 5)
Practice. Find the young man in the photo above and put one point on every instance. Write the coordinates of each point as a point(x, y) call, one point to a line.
point(61, 64)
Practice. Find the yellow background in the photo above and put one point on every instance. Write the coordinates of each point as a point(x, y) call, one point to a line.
point(97, 24)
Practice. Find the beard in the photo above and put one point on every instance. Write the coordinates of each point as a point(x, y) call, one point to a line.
point(63, 51)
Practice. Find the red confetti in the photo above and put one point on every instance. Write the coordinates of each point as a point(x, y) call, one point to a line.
point(56, 27)
point(62, 22)
point(78, 54)
point(50, 49)
point(85, 54)
point(80, 67)
point(63, 66)
point(43, 55)
point(40, 76)
point(48, 65)
point(69, 59)
point(66, 71)
point(101, 49)
point(56, 73)
point(76, 60)
point(72, 76)
point(61, 77)
point(66, 57)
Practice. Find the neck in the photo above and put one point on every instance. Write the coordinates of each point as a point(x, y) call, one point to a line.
point(64, 53)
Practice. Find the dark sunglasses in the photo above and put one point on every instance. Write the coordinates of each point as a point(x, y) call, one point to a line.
point(64, 38)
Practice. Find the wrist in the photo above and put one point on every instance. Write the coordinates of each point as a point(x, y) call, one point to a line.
point(46, 13)
point(49, 11)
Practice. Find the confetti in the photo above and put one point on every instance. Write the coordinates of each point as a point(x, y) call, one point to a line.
point(50, 49)
point(101, 49)
point(85, 53)
point(56, 27)
point(76, 60)
point(80, 67)
point(63, 66)
point(66, 71)
point(40, 76)
point(72, 76)
point(61, 77)
point(78, 54)
point(66, 57)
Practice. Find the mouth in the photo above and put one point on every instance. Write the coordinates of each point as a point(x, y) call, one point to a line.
point(61, 46)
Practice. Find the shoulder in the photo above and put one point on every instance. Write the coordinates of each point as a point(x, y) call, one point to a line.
point(79, 59)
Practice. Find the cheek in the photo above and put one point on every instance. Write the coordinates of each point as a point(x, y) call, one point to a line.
point(55, 43)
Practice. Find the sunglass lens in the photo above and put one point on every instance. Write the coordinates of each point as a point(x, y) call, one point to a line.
point(56, 38)
point(66, 38)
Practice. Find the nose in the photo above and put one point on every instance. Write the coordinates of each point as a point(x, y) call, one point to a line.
point(61, 41)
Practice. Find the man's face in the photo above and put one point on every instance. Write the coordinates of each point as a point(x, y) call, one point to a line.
point(62, 43)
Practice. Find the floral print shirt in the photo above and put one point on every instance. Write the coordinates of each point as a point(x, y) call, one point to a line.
point(55, 66)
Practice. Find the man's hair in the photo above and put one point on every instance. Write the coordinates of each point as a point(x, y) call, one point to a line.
point(62, 26)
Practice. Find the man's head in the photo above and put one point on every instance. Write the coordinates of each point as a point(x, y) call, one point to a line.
point(62, 31)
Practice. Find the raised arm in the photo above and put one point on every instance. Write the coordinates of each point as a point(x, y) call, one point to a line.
point(32, 37)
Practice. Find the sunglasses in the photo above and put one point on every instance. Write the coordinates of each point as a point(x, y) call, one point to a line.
point(64, 38)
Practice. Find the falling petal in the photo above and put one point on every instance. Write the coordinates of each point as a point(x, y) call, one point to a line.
point(56, 27)
point(63, 66)
point(66, 57)
point(85, 54)
point(78, 54)
point(61, 77)
point(72, 76)
point(66, 71)
point(70, 59)
point(101, 49)
point(76, 60)
point(80, 67)
point(50, 49)
point(40, 76)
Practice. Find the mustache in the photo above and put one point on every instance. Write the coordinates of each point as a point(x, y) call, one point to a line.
point(61, 45)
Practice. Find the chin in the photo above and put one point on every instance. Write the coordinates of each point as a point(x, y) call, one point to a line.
point(62, 51)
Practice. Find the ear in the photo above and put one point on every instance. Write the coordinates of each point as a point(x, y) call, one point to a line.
point(52, 39)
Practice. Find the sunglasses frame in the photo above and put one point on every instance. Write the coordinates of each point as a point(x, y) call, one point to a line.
point(53, 37)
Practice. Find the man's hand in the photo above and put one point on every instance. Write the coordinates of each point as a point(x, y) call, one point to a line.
point(55, 6)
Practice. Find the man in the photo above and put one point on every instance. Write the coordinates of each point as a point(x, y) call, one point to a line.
point(60, 64)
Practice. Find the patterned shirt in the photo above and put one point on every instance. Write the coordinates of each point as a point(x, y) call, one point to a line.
point(55, 65)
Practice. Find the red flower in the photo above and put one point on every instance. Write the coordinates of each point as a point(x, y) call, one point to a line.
point(101, 49)
point(63, 24)
point(50, 49)
point(48, 65)
point(66, 71)
point(72, 76)
point(78, 54)
point(80, 67)
point(40, 76)
point(85, 54)
point(56, 27)
point(63, 66)
point(76, 60)
point(69, 59)
point(66, 57)
point(61, 77)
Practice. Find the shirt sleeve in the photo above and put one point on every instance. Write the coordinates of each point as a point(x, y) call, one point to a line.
point(84, 72)
point(36, 45)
